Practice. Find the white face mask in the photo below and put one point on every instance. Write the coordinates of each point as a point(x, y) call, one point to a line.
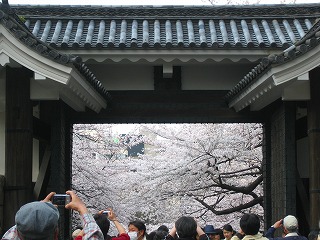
point(133, 235)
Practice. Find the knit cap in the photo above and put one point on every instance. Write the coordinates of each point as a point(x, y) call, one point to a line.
point(290, 222)
point(37, 220)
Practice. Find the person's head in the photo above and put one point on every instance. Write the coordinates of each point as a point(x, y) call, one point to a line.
point(160, 235)
point(103, 222)
point(219, 234)
point(211, 232)
point(314, 235)
point(136, 230)
point(37, 220)
point(290, 224)
point(250, 224)
point(75, 233)
point(186, 227)
point(227, 231)
point(150, 236)
point(163, 228)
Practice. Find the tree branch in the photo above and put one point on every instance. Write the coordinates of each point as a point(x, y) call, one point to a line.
point(234, 209)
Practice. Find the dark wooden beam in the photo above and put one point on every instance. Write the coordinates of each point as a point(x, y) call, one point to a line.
point(168, 107)
point(167, 84)
point(314, 143)
point(301, 128)
point(303, 209)
point(41, 130)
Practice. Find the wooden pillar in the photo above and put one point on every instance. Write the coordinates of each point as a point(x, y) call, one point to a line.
point(314, 144)
point(18, 143)
point(283, 161)
point(56, 114)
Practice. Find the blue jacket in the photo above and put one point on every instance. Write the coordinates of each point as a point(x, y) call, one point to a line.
point(291, 236)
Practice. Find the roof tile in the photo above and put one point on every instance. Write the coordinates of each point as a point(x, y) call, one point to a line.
point(239, 27)
point(38, 42)
point(307, 43)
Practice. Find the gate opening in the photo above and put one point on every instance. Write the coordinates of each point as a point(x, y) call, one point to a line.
point(159, 172)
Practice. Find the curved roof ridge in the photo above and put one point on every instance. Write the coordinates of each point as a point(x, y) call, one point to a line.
point(308, 42)
point(257, 11)
point(168, 6)
point(14, 24)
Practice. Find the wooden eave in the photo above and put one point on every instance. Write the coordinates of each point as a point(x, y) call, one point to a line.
point(283, 76)
point(187, 34)
point(56, 78)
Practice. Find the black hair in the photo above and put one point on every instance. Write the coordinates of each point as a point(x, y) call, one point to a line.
point(157, 235)
point(151, 235)
point(160, 235)
point(140, 225)
point(250, 224)
point(313, 235)
point(103, 222)
point(228, 228)
point(163, 228)
point(219, 232)
point(79, 227)
point(186, 227)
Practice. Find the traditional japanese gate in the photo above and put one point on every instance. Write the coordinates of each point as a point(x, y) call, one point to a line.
point(186, 65)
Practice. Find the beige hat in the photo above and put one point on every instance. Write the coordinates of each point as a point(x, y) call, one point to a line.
point(76, 233)
point(290, 222)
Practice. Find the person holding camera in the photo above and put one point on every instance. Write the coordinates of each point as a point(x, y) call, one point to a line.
point(103, 219)
point(289, 229)
point(39, 220)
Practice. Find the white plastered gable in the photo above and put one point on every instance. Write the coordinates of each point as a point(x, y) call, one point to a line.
point(52, 80)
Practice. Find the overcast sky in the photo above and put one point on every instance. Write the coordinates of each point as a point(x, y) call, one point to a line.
point(139, 2)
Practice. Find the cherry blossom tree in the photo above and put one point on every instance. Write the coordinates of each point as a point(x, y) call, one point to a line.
point(209, 171)
point(99, 167)
point(215, 168)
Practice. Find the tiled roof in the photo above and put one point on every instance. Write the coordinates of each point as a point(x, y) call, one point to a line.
point(167, 27)
point(169, 11)
point(14, 24)
point(304, 45)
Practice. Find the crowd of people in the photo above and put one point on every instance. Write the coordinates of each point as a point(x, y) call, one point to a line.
point(39, 220)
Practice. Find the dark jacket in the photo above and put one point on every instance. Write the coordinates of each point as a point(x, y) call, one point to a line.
point(270, 234)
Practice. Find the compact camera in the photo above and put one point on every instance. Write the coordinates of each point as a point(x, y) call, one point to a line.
point(105, 212)
point(61, 199)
